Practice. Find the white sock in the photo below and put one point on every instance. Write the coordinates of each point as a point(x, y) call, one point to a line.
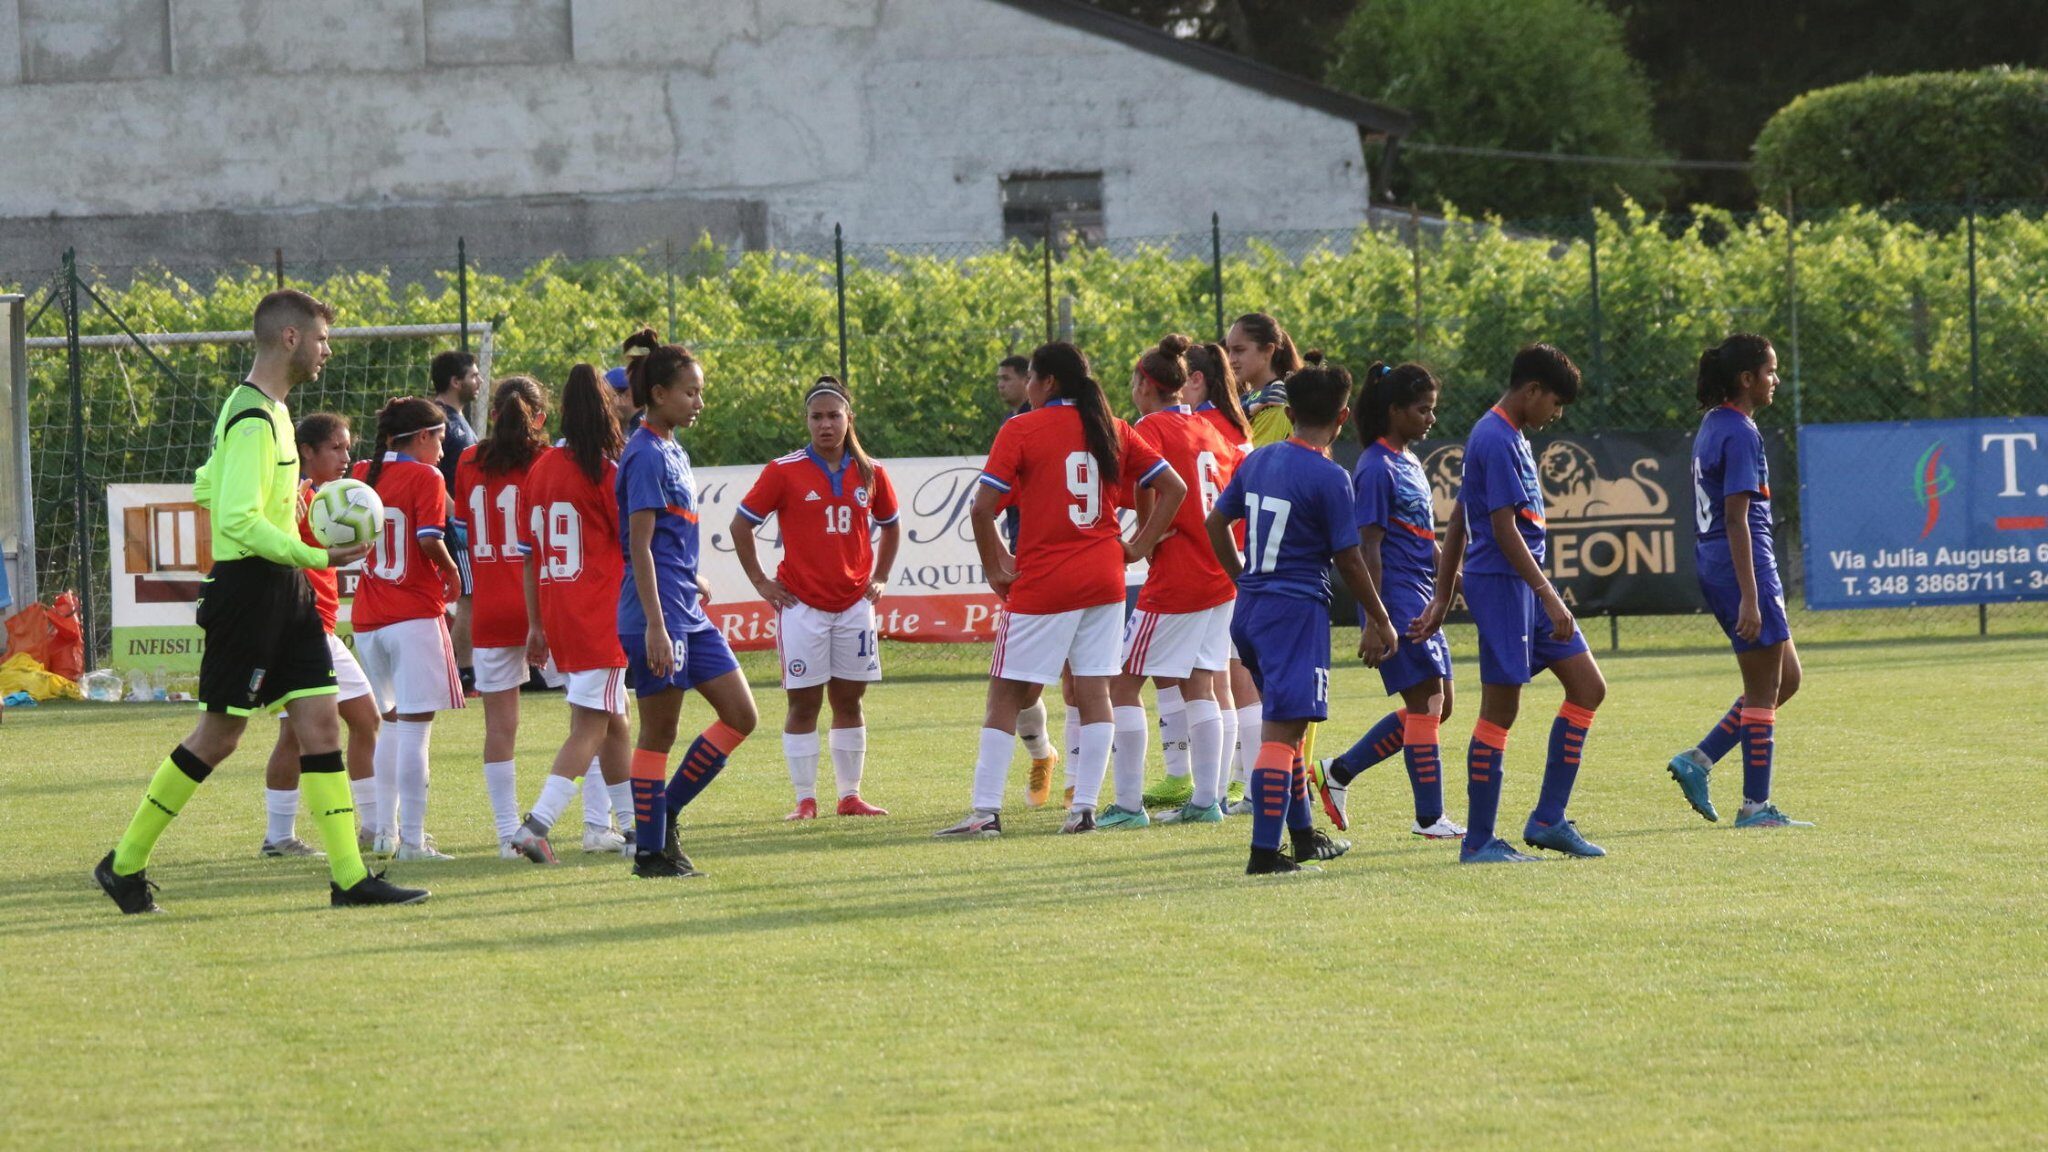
point(554, 796)
point(1173, 731)
point(414, 739)
point(1127, 754)
point(364, 793)
point(1251, 725)
point(597, 800)
point(385, 763)
point(283, 806)
point(850, 758)
point(1031, 730)
point(1092, 762)
point(991, 769)
point(1072, 737)
point(1205, 751)
point(501, 780)
point(801, 750)
point(621, 796)
point(1228, 752)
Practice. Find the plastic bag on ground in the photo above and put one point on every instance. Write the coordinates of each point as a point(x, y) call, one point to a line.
point(24, 673)
point(51, 635)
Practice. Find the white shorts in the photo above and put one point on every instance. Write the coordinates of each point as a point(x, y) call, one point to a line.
point(499, 669)
point(1032, 649)
point(599, 689)
point(411, 666)
point(1172, 645)
point(815, 645)
point(348, 675)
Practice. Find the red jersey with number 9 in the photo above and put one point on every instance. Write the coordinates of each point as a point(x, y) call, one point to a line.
point(1069, 554)
point(571, 527)
point(828, 553)
point(399, 582)
point(1185, 575)
point(487, 508)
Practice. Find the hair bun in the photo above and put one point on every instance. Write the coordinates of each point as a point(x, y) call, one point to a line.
point(1380, 370)
point(646, 338)
point(1313, 357)
point(1175, 345)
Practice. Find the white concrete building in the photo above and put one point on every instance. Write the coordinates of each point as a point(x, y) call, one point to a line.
point(209, 130)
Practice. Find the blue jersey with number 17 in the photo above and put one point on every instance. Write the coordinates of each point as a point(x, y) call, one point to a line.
point(1296, 505)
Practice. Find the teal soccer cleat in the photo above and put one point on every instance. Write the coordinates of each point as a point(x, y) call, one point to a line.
point(1495, 851)
point(1690, 769)
point(1562, 836)
point(1115, 817)
point(1768, 816)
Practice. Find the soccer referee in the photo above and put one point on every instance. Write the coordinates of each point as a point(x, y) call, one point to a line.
point(265, 647)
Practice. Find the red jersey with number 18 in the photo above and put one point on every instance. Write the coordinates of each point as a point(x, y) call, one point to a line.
point(487, 507)
point(571, 526)
point(828, 553)
point(399, 582)
point(1069, 554)
point(1185, 575)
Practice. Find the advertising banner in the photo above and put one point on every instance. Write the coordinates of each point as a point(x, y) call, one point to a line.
point(1929, 512)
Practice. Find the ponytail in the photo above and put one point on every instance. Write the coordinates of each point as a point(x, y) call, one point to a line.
point(401, 419)
point(1214, 364)
point(830, 386)
point(519, 410)
point(1067, 368)
point(1385, 389)
point(1165, 365)
point(1721, 368)
point(651, 364)
point(590, 429)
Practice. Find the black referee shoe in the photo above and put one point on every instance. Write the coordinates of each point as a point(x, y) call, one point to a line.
point(131, 893)
point(656, 866)
point(372, 889)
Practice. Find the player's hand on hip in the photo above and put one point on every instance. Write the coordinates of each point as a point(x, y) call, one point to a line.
point(661, 651)
point(774, 593)
point(875, 590)
point(347, 554)
point(1001, 577)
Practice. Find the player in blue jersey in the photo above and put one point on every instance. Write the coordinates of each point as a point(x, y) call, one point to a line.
point(671, 646)
point(1524, 625)
point(1738, 572)
point(1397, 534)
point(1296, 505)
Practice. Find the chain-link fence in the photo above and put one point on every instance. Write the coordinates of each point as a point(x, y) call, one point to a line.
point(1879, 314)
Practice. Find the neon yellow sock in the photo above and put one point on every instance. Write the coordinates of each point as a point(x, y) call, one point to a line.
point(168, 791)
point(334, 815)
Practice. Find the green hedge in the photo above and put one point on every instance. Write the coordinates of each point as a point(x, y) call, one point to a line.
point(1923, 138)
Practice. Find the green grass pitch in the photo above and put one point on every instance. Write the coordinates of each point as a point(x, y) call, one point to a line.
point(1880, 981)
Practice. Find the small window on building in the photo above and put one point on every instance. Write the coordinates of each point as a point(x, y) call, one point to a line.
point(1068, 204)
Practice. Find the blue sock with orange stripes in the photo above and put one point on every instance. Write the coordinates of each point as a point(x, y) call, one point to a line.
point(1725, 734)
point(1561, 767)
point(1482, 783)
point(1425, 771)
point(1272, 778)
point(1759, 741)
point(1299, 818)
point(650, 802)
point(701, 764)
point(1383, 741)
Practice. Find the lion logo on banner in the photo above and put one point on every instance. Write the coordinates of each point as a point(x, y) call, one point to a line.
point(1445, 468)
point(1573, 488)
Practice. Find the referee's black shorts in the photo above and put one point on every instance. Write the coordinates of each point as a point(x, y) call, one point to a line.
point(264, 641)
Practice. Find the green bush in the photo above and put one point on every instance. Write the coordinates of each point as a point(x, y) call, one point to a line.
point(1915, 139)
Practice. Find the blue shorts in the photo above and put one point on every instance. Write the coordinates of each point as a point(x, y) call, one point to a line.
point(1284, 642)
point(1724, 600)
point(457, 540)
point(1411, 663)
point(700, 656)
point(1514, 631)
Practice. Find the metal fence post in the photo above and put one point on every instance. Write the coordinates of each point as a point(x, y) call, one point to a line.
point(1046, 255)
point(82, 530)
point(839, 289)
point(462, 287)
point(1216, 268)
point(1792, 305)
point(668, 265)
point(1415, 258)
point(1970, 221)
point(1600, 376)
point(278, 255)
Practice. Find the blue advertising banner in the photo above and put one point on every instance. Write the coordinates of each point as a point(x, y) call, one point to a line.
point(1931, 512)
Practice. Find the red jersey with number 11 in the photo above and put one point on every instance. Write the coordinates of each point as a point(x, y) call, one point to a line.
point(571, 527)
point(1069, 551)
point(487, 507)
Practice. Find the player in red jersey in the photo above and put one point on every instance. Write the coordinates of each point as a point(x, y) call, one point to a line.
point(1179, 635)
point(1212, 391)
point(324, 446)
point(401, 617)
point(574, 564)
point(1063, 464)
point(487, 500)
point(825, 589)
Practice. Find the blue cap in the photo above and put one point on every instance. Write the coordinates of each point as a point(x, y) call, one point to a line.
point(616, 377)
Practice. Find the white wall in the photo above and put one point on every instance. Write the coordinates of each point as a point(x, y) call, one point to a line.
point(897, 117)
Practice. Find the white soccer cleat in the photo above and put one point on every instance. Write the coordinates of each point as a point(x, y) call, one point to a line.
point(509, 851)
point(1445, 828)
point(605, 839)
point(422, 851)
point(384, 844)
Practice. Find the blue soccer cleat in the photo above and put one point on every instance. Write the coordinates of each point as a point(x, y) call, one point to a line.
point(1768, 816)
point(1690, 769)
point(1562, 836)
point(1495, 851)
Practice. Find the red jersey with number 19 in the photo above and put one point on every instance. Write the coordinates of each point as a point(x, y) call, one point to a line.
point(828, 552)
point(1184, 575)
point(572, 527)
point(399, 582)
point(1069, 554)
point(487, 507)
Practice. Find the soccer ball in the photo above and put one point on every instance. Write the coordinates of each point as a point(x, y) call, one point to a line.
point(346, 512)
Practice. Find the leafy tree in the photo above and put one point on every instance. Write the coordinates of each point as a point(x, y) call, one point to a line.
point(1524, 75)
